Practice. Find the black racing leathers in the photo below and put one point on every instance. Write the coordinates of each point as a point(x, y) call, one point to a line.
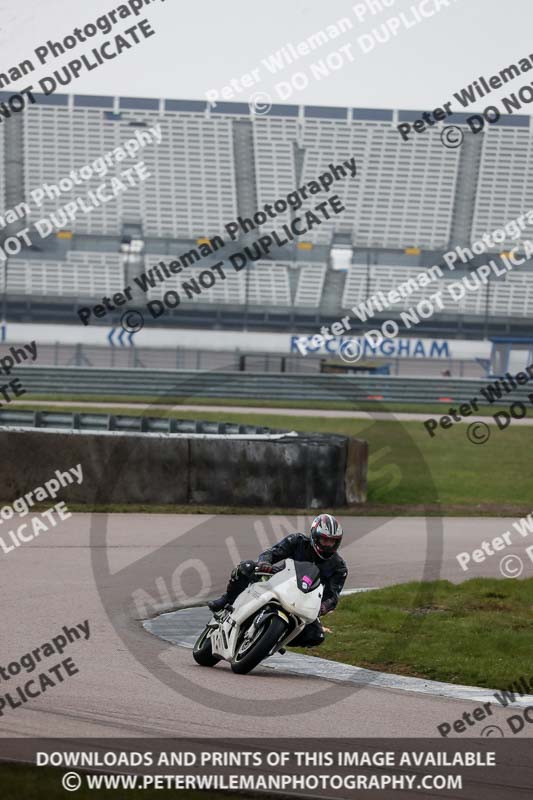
point(332, 570)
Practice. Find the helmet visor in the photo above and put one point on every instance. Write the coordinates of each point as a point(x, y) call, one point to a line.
point(326, 545)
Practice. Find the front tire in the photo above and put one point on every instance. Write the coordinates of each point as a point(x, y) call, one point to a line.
point(202, 652)
point(248, 657)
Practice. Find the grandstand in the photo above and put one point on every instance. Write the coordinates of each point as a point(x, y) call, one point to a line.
point(409, 203)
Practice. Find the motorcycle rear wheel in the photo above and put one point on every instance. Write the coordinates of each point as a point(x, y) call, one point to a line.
point(273, 630)
point(202, 652)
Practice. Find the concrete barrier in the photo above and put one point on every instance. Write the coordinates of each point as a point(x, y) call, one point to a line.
point(285, 471)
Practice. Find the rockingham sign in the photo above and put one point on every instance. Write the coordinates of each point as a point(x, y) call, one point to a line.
point(252, 341)
point(408, 347)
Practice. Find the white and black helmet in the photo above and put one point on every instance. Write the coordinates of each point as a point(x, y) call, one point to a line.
point(326, 535)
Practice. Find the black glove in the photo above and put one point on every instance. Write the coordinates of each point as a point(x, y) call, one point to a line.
point(246, 568)
point(324, 609)
point(264, 566)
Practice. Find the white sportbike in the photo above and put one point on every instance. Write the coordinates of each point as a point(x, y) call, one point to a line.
point(264, 618)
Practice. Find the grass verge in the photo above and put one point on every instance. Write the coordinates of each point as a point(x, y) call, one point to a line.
point(429, 409)
point(477, 633)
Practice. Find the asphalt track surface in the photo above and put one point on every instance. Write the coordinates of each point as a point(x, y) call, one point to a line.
point(130, 683)
point(400, 416)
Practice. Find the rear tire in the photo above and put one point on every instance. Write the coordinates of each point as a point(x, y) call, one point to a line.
point(202, 652)
point(273, 631)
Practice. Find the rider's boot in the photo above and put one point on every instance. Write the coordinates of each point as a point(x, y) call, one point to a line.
point(219, 603)
point(239, 580)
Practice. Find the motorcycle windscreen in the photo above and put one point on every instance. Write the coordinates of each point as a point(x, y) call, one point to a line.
point(307, 575)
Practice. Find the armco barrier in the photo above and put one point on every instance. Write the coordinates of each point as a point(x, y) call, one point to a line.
point(94, 382)
point(94, 421)
point(264, 470)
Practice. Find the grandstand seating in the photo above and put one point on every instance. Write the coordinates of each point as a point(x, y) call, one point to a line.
point(275, 169)
point(505, 186)
point(82, 274)
point(266, 282)
point(90, 274)
point(402, 196)
point(511, 296)
point(191, 191)
point(405, 194)
point(390, 204)
point(310, 285)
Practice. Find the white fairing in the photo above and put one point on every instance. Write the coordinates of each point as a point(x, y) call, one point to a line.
point(282, 587)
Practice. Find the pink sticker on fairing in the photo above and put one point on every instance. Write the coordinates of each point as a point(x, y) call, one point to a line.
point(306, 579)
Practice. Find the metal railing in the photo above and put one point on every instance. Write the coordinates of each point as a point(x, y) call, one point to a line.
point(81, 355)
point(66, 420)
point(157, 385)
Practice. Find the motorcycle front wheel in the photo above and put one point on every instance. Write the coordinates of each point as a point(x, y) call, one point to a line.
point(252, 650)
point(202, 652)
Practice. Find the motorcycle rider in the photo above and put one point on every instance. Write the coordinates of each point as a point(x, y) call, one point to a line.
point(320, 547)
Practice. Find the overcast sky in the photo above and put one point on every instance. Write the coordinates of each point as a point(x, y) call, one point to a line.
point(202, 45)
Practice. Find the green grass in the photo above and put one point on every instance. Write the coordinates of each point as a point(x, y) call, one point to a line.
point(409, 472)
point(23, 782)
point(430, 409)
point(476, 633)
